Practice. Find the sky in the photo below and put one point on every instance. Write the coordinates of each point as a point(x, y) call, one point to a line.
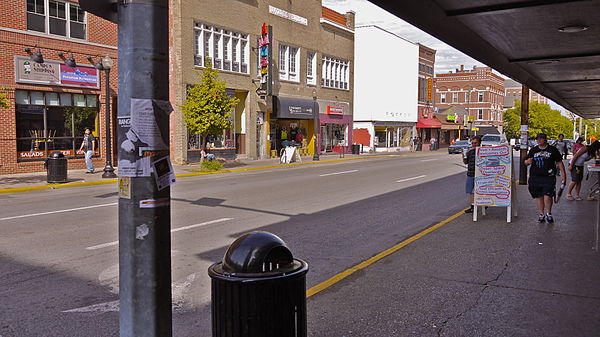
point(446, 58)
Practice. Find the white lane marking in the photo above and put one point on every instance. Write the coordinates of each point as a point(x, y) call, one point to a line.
point(413, 178)
point(114, 243)
point(428, 159)
point(332, 174)
point(59, 211)
point(99, 308)
point(180, 290)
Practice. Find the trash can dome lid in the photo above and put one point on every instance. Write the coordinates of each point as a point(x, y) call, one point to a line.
point(256, 252)
point(57, 154)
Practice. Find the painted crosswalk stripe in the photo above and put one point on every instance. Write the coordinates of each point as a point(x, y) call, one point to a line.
point(114, 243)
point(409, 179)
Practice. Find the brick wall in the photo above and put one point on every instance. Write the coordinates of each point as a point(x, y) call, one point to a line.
point(102, 40)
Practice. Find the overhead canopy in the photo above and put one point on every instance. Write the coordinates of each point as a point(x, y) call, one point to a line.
point(522, 40)
point(428, 123)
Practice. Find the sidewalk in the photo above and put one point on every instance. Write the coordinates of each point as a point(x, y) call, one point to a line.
point(486, 278)
point(37, 180)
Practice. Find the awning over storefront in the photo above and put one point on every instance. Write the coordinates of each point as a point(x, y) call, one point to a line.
point(428, 123)
point(294, 108)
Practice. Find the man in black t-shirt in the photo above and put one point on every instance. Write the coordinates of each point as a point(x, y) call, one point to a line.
point(544, 159)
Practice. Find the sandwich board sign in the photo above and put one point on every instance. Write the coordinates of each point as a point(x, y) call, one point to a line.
point(494, 178)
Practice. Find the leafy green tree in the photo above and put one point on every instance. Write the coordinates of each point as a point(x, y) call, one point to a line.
point(3, 100)
point(541, 119)
point(207, 109)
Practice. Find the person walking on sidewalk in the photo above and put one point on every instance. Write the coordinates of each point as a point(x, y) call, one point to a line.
point(469, 160)
point(88, 145)
point(578, 145)
point(544, 158)
point(561, 145)
point(576, 167)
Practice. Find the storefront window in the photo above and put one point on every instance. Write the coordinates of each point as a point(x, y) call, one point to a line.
point(53, 126)
point(65, 100)
point(36, 98)
point(79, 100)
point(334, 135)
point(51, 98)
point(22, 97)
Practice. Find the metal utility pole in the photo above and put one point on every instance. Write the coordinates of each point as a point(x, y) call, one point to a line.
point(144, 209)
point(524, 134)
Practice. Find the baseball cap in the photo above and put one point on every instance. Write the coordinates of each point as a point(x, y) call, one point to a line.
point(541, 135)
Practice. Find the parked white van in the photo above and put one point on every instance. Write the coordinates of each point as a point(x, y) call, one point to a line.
point(493, 140)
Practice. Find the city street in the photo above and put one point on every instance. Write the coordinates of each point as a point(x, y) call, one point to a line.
point(59, 251)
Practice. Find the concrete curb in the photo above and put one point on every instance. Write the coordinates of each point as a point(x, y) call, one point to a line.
point(112, 181)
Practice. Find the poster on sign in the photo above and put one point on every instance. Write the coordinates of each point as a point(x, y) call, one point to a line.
point(493, 178)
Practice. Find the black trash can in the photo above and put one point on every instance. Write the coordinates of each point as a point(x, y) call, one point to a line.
point(355, 149)
point(56, 168)
point(259, 289)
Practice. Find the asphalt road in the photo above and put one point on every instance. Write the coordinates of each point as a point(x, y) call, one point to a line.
point(58, 252)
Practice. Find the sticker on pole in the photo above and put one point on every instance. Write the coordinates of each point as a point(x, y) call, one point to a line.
point(154, 203)
point(143, 137)
point(163, 173)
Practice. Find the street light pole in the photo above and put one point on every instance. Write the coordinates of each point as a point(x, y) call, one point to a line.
point(316, 125)
point(109, 171)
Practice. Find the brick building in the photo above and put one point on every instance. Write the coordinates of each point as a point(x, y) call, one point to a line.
point(427, 126)
point(313, 53)
point(52, 99)
point(478, 90)
point(513, 90)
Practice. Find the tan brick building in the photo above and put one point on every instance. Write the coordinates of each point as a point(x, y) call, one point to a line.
point(51, 102)
point(313, 50)
point(478, 90)
point(513, 90)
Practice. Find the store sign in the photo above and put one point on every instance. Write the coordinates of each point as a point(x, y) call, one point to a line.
point(429, 89)
point(294, 108)
point(265, 47)
point(286, 15)
point(55, 73)
point(335, 110)
point(79, 76)
point(493, 176)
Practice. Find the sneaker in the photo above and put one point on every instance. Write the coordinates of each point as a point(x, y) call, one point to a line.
point(541, 218)
point(469, 210)
point(549, 218)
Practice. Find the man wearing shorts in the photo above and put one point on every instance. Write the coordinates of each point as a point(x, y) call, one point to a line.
point(544, 159)
point(469, 160)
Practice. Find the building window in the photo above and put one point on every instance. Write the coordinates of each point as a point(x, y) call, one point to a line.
point(226, 50)
point(480, 114)
point(443, 98)
point(311, 68)
point(49, 121)
point(480, 97)
point(454, 97)
point(335, 73)
point(56, 18)
point(289, 63)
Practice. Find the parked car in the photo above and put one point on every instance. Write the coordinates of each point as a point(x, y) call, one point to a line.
point(493, 140)
point(459, 146)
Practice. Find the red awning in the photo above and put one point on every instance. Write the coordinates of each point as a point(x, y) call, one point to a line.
point(428, 123)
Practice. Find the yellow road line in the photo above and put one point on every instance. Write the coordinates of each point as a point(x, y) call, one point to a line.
point(112, 181)
point(337, 278)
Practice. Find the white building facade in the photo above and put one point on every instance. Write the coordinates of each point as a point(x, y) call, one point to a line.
point(386, 92)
